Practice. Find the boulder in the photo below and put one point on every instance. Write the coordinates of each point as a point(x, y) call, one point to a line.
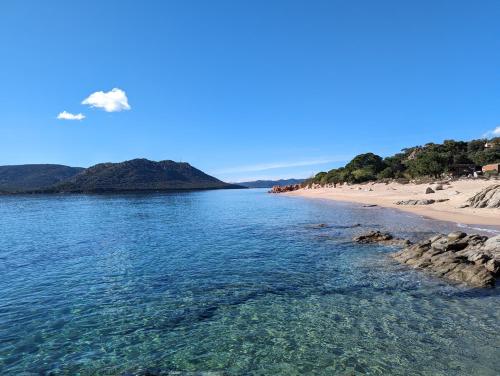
point(429, 190)
point(489, 197)
point(284, 188)
point(320, 225)
point(493, 266)
point(456, 235)
point(492, 244)
point(381, 238)
point(458, 257)
point(416, 202)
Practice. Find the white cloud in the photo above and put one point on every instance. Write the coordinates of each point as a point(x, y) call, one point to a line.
point(69, 116)
point(493, 133)
point(112, 101)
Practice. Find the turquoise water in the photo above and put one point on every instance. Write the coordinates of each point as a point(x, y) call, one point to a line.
point(227, 282)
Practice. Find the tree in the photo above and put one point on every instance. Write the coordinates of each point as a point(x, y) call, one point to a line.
point(487, 156)
point(428, 163)
point(367, 160)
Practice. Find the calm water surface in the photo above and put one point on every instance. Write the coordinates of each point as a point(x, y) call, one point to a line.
point(227, 282)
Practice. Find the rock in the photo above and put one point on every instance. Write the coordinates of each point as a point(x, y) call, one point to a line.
point(457, 245)
point(442, 200)
point(425, 202)
point(284, 188)
point(373, 237)
point(493, 266)
point(470, 259)
point(416, 202)
point(492, 244)
point(452, 236)
point(429, 190)
point(320, 225)
point(489, 197)
point(369, 205)
point(381, 238)
point(435, 238)
point(438, 187)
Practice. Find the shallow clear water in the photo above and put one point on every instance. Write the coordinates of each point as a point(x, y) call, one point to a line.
point(228, 282)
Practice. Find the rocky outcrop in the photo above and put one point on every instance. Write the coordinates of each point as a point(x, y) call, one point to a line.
point(424, 201)
point(489, 197)
point(380, 238)
point(284, 188)
point(416, 202)
point(458, 257)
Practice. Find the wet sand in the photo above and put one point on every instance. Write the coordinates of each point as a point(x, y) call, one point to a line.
point(386, 195)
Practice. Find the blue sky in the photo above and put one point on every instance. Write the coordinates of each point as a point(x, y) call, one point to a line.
point(244, 89)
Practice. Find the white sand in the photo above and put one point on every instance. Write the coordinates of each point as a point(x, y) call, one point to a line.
point(386, 196)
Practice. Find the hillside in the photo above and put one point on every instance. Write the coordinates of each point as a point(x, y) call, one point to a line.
point(34, 176)
point(451, 158)
point(270, 183)
point(139, 175)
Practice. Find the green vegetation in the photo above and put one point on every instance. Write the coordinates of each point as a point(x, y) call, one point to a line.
point(129, 176)
point(20, 178)
point(139, 175)
point(270, 183)
point(432, 160)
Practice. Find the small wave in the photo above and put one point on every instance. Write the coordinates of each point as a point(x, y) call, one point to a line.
point(482, 229)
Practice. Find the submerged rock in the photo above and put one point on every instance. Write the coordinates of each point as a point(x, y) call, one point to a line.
point(381, 238)
point(471, 259)
point(319, 225)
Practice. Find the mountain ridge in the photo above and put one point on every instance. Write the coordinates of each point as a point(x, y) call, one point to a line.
point(14, 178)
point(135, 175)
point(270, 183)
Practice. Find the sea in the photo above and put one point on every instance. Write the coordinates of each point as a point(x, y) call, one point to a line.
point(228, 282)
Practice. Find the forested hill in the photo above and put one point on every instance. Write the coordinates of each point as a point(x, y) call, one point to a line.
point(133, 175)
point(34, 176)
point(431, 160)
point(270, 183)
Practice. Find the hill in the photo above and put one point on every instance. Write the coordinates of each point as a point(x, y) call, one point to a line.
point(19, 178)
point(139, 175)
point(271, 183)
point(451, 158)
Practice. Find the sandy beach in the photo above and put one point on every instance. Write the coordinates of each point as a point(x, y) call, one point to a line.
point(386, 195)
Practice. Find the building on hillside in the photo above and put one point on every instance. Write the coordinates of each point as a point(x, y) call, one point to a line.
point(493, 168)
point(463, 169)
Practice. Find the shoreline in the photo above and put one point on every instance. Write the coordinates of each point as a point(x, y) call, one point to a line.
point(385, 195)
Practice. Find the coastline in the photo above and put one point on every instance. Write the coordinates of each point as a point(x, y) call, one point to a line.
point(386, 195)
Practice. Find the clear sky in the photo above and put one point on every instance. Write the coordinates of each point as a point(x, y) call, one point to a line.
point(243, 89)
